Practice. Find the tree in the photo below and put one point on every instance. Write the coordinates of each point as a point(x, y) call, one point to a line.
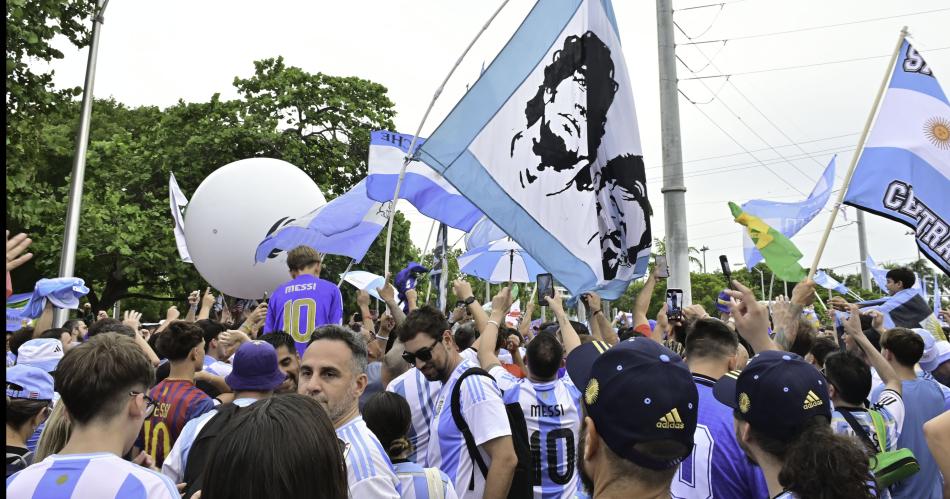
point(126, 247)
point(31, 27)
point(659, 246)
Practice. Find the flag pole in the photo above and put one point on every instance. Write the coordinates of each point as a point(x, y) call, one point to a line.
point(857, 154)
point(415, 137)
point(344, 273)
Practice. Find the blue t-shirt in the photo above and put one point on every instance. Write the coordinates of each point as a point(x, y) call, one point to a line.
point(299, 306)
point(923, 401)
point(717, 467)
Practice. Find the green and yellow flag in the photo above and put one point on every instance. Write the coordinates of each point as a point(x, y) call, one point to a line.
point(779, 252)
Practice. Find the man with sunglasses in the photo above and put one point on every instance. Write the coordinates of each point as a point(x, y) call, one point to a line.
point(105, 416)
point(430, 347)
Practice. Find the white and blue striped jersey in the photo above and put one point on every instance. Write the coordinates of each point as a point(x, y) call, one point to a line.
point(177, 459)
point(369, 472)
point(101, 475)
point(217, 367)
point(552, 413)
point(412, 477)
point(482, 408)
point(420, 393)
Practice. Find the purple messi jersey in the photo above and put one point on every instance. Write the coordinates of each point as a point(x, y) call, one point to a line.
point(299, 306)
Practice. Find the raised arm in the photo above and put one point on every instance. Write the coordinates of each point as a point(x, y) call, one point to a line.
point(192, 306)
point(787, 330)
point(132, 318)
point(524, 327)
point(568, 335)
point(597, 317)
point(362, 301)
point(752, 318)
point(207, 301)
point(388, 294)
point(642, 303)
point(254, 322)
point(488, 336)
point(852, 326)
point(463, 290)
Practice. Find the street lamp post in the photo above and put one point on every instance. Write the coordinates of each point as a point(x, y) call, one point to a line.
point(704, 249)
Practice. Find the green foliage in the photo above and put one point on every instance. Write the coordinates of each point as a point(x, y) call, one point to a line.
point(126, 246)
point(31, 27)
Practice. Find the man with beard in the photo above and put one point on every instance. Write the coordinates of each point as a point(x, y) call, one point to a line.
point(333, 372)
point(255, 376)
point(287, 359)
point(430, 347)
point(566, 124)
point(640, 407)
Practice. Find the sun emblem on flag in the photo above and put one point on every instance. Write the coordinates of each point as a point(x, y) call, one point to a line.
point(937, 130)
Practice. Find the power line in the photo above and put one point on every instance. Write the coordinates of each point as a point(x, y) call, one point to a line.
point(824, 26)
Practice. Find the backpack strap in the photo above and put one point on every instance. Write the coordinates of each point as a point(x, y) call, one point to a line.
point(456, 408)
point(879, 428)
point(858, 429)
point(434, 483)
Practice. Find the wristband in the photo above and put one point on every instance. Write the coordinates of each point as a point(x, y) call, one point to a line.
point(385, 338)
point(495, 323)
point(595, 312)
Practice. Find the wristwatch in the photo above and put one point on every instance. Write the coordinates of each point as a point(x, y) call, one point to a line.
point(468, 301)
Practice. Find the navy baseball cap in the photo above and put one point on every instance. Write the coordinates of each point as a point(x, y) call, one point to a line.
point(777, 393)
point(637, 391)
point(255, 368)
point(27, 382)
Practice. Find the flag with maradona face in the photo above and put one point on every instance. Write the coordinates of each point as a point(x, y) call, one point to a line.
point(780, 254)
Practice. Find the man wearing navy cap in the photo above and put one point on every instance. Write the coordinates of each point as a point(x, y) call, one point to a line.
point(640, 407)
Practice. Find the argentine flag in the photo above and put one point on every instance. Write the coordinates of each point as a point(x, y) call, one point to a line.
point(904, 169)
point(826, 281)
point(546, 145)
point(347, 226)
point(788, 218)
point(424, 188)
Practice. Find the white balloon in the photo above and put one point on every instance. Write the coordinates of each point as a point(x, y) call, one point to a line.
point(233, 210)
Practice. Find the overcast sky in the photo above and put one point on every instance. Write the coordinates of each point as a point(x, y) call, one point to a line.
point(766, 132)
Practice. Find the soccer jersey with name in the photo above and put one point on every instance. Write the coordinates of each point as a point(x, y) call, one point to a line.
point(176, 402)
point(100, 475)
point(301, 305)
point(415, 485)
point(420, 393)
point(482, 408)
point(552, 414)
point(369, 472)
point(717, 467)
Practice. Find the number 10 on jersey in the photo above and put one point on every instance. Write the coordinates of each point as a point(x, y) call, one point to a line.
point(300, 318)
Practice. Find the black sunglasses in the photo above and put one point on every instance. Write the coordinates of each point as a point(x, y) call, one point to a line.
point(423, 354)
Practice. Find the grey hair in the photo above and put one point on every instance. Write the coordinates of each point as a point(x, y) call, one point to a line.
point(353, 340)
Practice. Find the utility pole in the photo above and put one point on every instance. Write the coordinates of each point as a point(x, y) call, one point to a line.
point(704, 249)
point(67, 262)
point(674, 191)
point(863, 251)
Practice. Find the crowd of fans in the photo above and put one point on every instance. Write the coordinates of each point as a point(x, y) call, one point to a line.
point(289, 400)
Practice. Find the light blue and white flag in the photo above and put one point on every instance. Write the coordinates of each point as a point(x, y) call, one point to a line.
point(937, 298)
point(920, 284)
point(879, 274)
point(431, 194)
point(483, 233)
point(546, 144)
point(826, 281)
point(347, 226)
point(904, 169)
point(788, 218)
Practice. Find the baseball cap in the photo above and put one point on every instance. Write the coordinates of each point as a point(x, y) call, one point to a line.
point(26, 382)
point(44, 353)
point(776, 393)
point(637, 391)
point(255, 368)
point(935, 352)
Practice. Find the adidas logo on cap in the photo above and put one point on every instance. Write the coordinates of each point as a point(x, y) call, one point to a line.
point(671, 420)
point(811, 400)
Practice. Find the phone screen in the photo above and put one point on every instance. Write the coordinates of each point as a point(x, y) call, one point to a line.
point(674, 303)
point(545, 287)
point(662, 269)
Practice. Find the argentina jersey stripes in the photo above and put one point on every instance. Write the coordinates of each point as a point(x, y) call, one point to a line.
point(369, 471)
point(552, 414)
point(420, 393)
point(101, 475)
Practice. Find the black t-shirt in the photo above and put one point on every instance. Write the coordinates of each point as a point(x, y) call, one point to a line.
point(15, 459)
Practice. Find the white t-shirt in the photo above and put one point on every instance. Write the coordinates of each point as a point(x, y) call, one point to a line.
point(482, 408)
point(369, 472)
point(420, 393)
point(100, 475)
point(552, 414)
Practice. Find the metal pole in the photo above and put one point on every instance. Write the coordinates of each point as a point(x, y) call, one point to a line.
point(67, 262)
point(761, 281)
point(674, 191)
point(863, 251)
point(348, 266)
point(415, 137)
point(771, 282)
point(704, 249)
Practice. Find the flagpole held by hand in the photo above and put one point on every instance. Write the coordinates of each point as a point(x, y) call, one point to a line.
point(415, 137)
point(857, 155)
